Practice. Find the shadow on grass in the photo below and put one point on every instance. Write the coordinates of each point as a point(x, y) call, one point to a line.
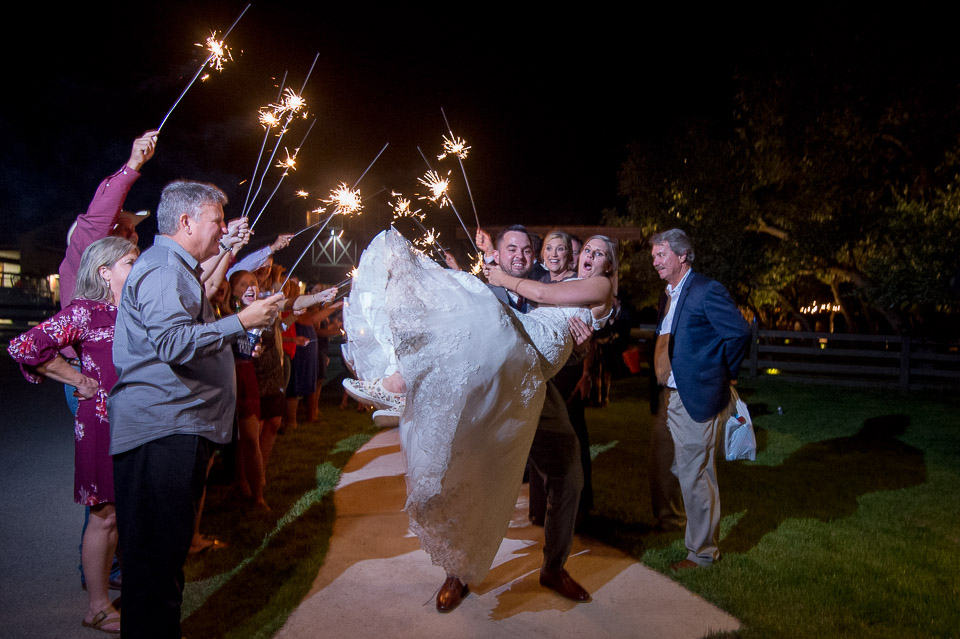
point(820, 481)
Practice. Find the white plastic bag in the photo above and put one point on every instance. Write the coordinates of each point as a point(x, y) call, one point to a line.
point(739, 440)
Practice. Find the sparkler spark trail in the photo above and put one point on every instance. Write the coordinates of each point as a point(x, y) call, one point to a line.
point(401, 208)
point(268, 119)
point(346, 201)
point(218, 52)
point(291, 104)
point(454, 146)
point(438, 187)
point(477, 267)
point(289, 163)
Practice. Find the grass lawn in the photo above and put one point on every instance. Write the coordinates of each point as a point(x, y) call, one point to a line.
point(248, 589)
point(847, 525)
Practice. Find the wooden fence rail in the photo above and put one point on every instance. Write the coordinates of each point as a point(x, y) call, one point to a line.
point(846, 359)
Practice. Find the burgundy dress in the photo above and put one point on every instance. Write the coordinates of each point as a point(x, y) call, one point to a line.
point(88, 327)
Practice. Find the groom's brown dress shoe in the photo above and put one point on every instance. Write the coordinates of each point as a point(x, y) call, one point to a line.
point(564, 584)
point(451, 594)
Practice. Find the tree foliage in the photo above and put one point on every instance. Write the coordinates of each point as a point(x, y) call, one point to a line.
point(819, 186)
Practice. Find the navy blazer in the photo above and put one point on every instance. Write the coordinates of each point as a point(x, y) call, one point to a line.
point(708, 341)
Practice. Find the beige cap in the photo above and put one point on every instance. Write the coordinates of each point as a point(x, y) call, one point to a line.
point(134, 217)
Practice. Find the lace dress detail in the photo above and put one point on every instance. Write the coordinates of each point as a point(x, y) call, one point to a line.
point(475, 374)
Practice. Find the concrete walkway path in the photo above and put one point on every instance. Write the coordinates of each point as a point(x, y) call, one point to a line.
point(376, 582)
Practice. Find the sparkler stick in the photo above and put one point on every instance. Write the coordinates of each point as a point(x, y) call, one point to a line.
point(305, 249)
point(345, 283)
point(218, 51)
point(288, 105)
point(371, 164)
point(290, 164)
point(461, 153)
point(283, 131)
point(425, 160)
point(268, 125)
point(268, 119)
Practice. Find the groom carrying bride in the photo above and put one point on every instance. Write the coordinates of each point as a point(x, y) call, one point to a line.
point(465, 369)
point(555, 453)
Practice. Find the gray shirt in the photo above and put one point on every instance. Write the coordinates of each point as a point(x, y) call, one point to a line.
point(173, 358)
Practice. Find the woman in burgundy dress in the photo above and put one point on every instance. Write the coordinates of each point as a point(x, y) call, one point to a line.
point(87, 325)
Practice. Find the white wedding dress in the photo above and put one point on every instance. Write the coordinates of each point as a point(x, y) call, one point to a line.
point(475, 372)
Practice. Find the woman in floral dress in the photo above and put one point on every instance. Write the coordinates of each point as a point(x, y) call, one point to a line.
point(87, 325)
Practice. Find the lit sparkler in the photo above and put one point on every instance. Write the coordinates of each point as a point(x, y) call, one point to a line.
point(288, 104)
point(438, 187)
point(301, 193)
point(346, 201)
point(460, 158)
point(218, 53)
point(401, 208)
point(268, 118)
point(438, 194)
point(477, 267)
point(454, 146)
point(291, 104)
point(289, 163)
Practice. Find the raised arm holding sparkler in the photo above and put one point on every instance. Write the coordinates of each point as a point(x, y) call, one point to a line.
point(104, 216)
point(214, 269)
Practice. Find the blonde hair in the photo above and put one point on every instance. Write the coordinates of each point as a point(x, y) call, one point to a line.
point(611, 257)
point(567, 243)
point(104, 252)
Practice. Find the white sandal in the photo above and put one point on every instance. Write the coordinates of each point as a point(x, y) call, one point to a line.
point(373, 392)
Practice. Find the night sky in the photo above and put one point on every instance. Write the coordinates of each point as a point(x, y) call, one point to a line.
point(548, 100)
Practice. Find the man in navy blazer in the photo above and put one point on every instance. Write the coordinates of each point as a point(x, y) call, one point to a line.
point(701, 341)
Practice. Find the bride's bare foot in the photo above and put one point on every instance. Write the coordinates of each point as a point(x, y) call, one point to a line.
point(395, 383)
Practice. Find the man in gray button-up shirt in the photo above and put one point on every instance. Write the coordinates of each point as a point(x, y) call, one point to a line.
point(173, 401)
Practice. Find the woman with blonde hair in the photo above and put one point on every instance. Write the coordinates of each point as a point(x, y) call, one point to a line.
point(87, 325)
point(556, 255)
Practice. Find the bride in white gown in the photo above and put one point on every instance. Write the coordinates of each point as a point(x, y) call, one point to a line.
point(474, 370)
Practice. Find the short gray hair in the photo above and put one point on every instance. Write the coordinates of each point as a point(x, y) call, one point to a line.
point(185, 196)
point(104, 252)
point(678, 242)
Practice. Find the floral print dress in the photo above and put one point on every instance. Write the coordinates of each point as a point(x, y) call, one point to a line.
point(87, 326)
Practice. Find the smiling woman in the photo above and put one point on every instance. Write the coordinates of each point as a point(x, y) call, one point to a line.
point(557, 257)
point(88, 324)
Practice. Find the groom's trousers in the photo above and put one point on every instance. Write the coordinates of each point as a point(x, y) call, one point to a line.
point(555, 457)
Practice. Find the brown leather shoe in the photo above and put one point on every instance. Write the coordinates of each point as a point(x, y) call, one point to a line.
point(451, 594)
point(683, 565)
point(564, 584)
